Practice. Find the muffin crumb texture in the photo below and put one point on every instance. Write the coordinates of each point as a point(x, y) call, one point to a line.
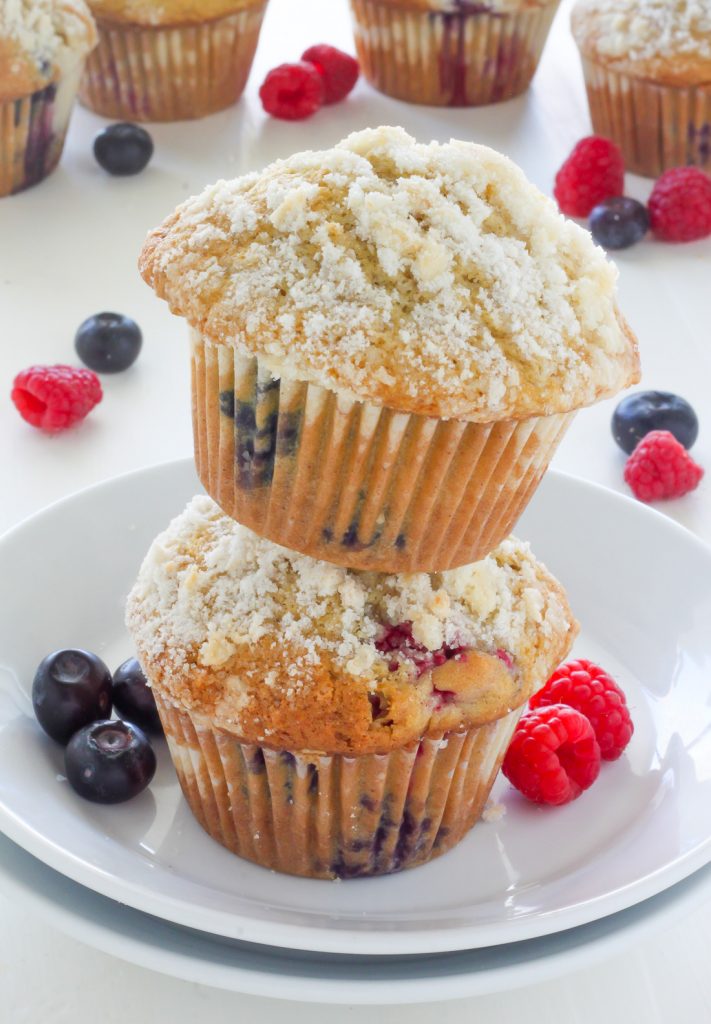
point(272, 643)
point(433, 279)
point(39, 41)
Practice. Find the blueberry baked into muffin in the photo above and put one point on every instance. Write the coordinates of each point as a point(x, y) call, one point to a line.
point(647, 66)
point(170, 60)
point(389, 341)
point(43, 46)
point(329, 722)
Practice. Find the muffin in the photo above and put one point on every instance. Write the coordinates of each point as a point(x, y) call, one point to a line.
point(451, 53)
point(647, 66)
point(43, 45)
point(170, 60)
point(388, 342)
point(329, 722)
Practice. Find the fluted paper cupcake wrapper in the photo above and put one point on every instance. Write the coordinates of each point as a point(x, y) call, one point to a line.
point(333, 816)
point(657, 127)
point(171, 73)
point(32, 133)
point(455, 59)
point(355, 483)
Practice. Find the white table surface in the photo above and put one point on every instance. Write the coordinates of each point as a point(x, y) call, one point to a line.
point(68, 249)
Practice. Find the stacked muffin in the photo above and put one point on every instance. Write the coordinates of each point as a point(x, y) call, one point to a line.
point(388, 341)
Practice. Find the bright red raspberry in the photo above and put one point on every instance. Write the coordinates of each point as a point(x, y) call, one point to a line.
point(591, 691)
point(660, 467)
point(292, 91)
point(553, 756)
point(594, 171)
point(680, 205)
point(338, 69)
point(55, 397)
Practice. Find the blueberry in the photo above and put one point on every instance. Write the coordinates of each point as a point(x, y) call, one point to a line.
point(123, 149)
point(108, 342)
point(637, 414)
point(109, 761)
point(71, 688)
point(619, 223)
point(134, 699)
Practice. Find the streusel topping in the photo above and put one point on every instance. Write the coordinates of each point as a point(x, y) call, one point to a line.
point(40, 40)
point(430, 278)
point(643, 32)
point(208, 586)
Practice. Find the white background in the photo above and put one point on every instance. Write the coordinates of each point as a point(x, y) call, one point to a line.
point(68, 249)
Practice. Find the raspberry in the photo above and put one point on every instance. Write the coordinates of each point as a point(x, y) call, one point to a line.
point(55, 397)
point(338, 69)
point(660, 467)
point(593, 172)
point(591, 691)
point(553, 755)
point(292, 91)
point(680, 205)
point(399, 643)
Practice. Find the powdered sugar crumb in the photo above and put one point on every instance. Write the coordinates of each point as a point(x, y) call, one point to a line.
point(493, 812)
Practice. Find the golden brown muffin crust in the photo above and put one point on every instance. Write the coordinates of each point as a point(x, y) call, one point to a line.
point(162, 13)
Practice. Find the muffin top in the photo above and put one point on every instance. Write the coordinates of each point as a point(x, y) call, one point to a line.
point(668, 41)
point(166, 12)
point(288, 651)
point(39, 41)
point(494, 7)
point(431, 279)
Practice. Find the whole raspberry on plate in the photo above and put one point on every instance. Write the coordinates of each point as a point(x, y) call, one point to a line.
point(293, 92)
point(338, 69)
point(680, 205)
point(553, 756)
point(593, 172)
point(55, 397)
point(590, 690)
point(660, 467)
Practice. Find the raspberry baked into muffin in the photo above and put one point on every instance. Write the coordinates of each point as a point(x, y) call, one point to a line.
point(43, 45)
point(329, 722)
point(647, 66)
point(451, 52)
point(388, 341)
point(170, 60)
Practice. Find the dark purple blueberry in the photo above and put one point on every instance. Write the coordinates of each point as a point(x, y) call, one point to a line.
point(109, 761)
point(619, 223)
point(637, 414)
point(71, 688)
point(133, 698)
point(123, 149)
point(108, 342)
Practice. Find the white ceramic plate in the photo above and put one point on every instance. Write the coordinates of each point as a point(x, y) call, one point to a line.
point(321, 977)
point(640, 584)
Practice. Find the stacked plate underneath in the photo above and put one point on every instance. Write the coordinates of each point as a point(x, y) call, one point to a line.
point(534, 893)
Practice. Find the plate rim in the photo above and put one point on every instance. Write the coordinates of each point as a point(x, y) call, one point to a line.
point(319, 938)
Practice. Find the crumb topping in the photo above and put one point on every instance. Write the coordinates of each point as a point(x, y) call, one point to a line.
point(431, 278)
point(632, 30)
point(167, 12)
point(209, 586)
point(40, 39)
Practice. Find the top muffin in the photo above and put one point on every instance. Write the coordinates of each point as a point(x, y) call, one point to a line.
point(467, 7)
point(668, 41)
point(165, 12)
point(433, 279)
point(39, 41)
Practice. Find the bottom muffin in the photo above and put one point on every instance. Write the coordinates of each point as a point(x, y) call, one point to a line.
point(333, 723)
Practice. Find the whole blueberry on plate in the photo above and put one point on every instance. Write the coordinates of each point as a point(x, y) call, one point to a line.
point(108, 342)
point(123, 149)
point(71, 688)
point(638, 414)
point(109, 761)
point(133, 698)
point(619, 223)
